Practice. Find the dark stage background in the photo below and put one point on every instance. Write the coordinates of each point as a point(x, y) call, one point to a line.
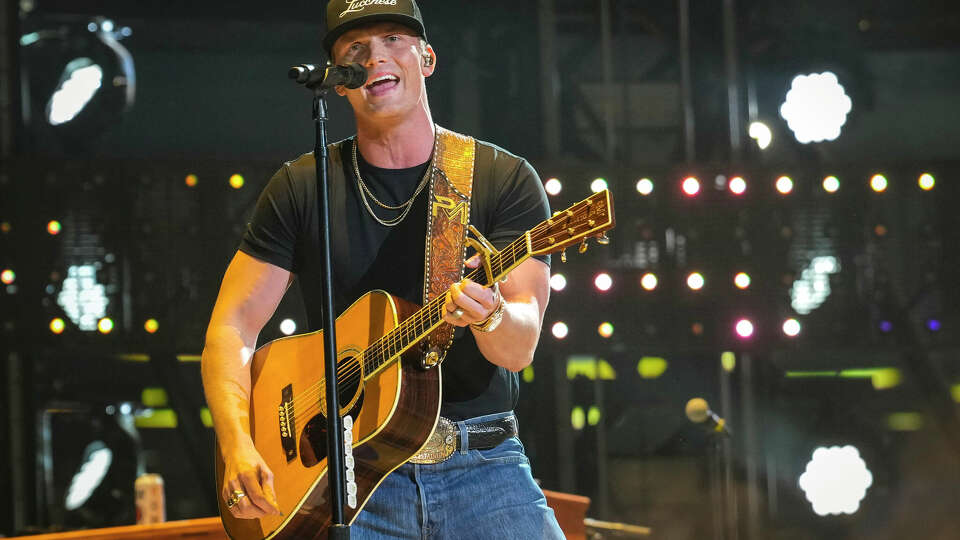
point(150, 203)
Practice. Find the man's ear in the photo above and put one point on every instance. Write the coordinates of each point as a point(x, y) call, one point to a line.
point(429, 64)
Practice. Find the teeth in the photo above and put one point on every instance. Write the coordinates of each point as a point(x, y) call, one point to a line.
point(383, 78)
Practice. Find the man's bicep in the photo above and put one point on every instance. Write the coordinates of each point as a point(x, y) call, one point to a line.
point(249, 294)
point(527, 283)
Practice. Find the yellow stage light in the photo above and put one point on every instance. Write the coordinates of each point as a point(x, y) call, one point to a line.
point(648, 281)
point(878, 183)
point(105, 325)
point(605, 329)
point(57, 326)
point(784, 185)
point(831, 184)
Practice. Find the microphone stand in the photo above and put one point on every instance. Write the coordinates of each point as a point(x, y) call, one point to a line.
point(339, 529)
point(715, 468)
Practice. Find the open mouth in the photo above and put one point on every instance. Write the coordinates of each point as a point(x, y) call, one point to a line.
point(383, 82)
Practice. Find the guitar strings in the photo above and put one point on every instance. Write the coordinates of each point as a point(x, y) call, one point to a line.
point(317, 391)
point(395, 337)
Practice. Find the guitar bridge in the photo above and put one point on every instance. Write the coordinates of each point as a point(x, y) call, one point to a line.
point(287, 420)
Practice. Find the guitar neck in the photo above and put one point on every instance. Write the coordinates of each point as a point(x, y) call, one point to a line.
point(408, 333)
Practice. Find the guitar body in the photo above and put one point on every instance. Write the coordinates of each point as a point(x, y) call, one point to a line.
point(394, 412)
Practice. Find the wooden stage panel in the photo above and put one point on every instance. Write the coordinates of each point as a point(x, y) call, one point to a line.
point(188, 529)
point(570, 509)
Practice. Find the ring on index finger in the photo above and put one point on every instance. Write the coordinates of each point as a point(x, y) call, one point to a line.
point(457, 313)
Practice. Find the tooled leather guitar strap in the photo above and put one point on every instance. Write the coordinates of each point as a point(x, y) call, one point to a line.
point(451, 183)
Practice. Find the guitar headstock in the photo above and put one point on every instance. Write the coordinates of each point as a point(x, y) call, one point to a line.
point(588, 218)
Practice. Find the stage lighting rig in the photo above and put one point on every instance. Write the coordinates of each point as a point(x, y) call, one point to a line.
point(78, 80)
point(90, 456)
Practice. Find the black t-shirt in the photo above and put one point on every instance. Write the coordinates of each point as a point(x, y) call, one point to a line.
point(507, 200)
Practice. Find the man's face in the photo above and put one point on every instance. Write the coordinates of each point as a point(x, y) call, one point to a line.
point(394, 61)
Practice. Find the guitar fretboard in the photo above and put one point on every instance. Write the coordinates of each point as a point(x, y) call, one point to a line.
point(430, 316)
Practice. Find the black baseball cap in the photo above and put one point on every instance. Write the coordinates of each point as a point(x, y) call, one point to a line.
point(344, 15)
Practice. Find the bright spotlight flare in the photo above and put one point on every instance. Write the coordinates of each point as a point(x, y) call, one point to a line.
point(80, 81)
point(836, 480)
point(816, 107)
point(699, 413)
point(761, 133)
point(319, 77)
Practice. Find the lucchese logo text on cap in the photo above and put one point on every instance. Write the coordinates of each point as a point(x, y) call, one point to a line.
point(358, 5)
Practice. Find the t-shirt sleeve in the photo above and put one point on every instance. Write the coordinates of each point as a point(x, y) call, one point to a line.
point(274, 229)
point(521, 202)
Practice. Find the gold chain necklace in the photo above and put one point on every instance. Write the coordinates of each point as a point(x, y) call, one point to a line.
point(403, 207)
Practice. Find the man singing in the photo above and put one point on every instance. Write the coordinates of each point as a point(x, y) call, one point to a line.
point(385, 201)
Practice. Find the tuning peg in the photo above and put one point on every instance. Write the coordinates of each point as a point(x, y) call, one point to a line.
point(603, 239)
point(563, 255)
point(583, 246)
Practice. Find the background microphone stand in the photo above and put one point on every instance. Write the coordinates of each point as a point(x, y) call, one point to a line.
point(719, 466)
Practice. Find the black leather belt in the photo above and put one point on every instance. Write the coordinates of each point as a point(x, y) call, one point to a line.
point(447, 438)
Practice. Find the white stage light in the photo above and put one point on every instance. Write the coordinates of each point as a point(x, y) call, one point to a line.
point(836, 480)
point(816, 107)
point(761, 133)
point(81, 80)
point(82, 298)
point(288, 326)
point(553, 186)
point(91, 474)
point(598, 185)
point(560, 330)
point(558, 282)
point(813, 287)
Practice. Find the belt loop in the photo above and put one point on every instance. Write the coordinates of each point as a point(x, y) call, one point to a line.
point(464, 437)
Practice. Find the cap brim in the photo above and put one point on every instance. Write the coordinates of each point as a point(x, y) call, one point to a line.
point(406, 20)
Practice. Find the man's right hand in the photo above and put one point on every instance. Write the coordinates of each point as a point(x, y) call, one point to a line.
point(245, 471)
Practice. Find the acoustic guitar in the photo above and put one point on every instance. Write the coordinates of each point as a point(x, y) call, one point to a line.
point(392, 401)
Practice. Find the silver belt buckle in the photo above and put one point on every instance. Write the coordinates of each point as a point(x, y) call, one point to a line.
point(440, 446)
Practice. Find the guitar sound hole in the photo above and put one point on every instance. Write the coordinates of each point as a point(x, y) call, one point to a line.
point(313, 440)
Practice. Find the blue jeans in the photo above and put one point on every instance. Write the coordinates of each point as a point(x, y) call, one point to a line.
point(480, 494)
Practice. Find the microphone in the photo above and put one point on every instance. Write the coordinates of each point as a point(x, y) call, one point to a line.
point(351, 75)
point(699, 413)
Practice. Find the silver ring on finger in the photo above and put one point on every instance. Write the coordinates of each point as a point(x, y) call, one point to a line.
point(457, 313)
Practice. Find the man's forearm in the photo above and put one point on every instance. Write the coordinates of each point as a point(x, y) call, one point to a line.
point(513, 342)
point(225, 371)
